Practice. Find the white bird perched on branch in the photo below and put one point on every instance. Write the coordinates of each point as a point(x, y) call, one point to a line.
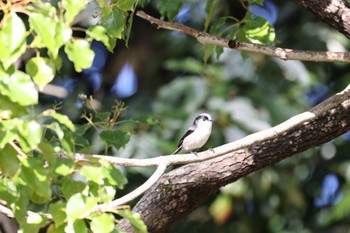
point(197, 135)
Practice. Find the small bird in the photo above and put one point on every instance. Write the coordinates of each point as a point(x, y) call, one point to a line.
point(197, 135)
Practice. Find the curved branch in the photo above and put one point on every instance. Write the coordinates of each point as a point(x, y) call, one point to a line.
point(180, 191)
point(132, 195)
point(285, 54)
point(248, 141)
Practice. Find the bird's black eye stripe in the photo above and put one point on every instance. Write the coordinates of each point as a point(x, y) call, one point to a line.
point(205, 118)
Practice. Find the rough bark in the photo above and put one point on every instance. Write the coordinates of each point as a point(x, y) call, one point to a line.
point(336, 13)
point(180, 191)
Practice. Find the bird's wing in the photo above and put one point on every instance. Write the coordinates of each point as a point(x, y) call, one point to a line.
point(179, 145)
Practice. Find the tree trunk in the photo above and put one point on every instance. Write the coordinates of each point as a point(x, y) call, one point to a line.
point(180, 191)
point(336, 13)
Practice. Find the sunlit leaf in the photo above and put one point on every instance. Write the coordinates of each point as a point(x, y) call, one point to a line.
point(42, 70)
point(64, 167)
point(258, 30)
point(11, 108)
point(36, 178)
point(75, 49)
point(100, 33)
point(78, 205)
point(73, 7)
point(93, 173)
point(64, 120)
point(19, 88)
point(77, 226)
point(58, 212)
point(103, 223)
point(134, 219)
point(13, 39)
point(30, 134)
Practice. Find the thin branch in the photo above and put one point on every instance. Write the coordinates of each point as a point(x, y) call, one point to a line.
point(283, 53)
point(9, 213)
point(132, 195)
point(246, 142)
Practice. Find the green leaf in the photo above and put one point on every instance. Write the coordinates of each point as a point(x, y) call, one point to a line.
point(100, 33)
point(103, 223)
point(103, 115)
point(258, 30)
point(64, 167)
point(134, 219)
point(67, 141)
point(45, 27)
point(36, 178)
point(64, 120)
point(78, 226)
point(72, 7)
point(19, 88)
point(8, 190)
point(115, 23)
point(93, 173)
point(210, 9)
point(42, 70)
point(71, 187)
point(80, 54)
point(146, 120)
point(56, 229)
point(10, 108)
point(8, 132)
point(9, 163)
point(81, 129)
point(58, 212)
point(33, 223)
point(127, 5)
point(78, 205)
point(50, 33)
point(21, 207)
point(169, 8)
point(30, 134)
point(114, 176)
point(116, 138)
point(13, 40)
point(208, 52)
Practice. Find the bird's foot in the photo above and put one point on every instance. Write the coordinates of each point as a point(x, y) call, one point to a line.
point(194, 153)
point(211, 150)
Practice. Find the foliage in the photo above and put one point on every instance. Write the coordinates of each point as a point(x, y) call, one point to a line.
point(33, 178)
point(38, 39)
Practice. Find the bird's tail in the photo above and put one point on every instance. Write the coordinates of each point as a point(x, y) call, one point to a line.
point(177, 150)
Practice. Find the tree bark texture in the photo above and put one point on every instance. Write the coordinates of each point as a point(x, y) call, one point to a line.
point(180, 191)
point(336, 13)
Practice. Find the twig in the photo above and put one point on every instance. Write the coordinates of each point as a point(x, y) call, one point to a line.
point(283, 53)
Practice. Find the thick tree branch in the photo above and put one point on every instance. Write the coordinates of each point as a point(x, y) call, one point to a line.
point(285, 54)
point(180, 191)
point(336, 13)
